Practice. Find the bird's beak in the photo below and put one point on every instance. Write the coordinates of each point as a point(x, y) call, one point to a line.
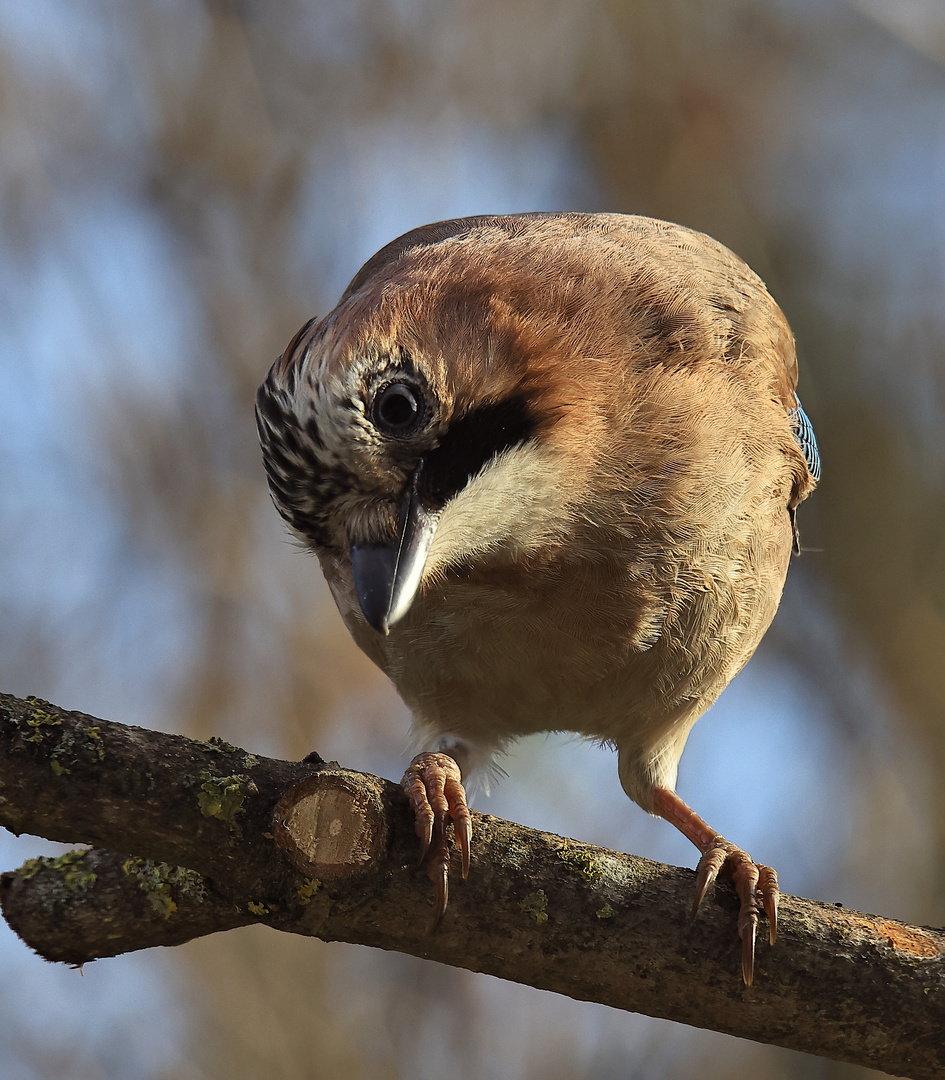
point(387, 576)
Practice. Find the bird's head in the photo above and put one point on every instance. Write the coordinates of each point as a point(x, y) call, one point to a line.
point(421, 425)
point(487, 388)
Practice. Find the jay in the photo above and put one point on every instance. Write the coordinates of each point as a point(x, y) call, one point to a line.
point(550, 466)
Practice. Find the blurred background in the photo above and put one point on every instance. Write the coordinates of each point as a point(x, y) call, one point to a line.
point(182, 185)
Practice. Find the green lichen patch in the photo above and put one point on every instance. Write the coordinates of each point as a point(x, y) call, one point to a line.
point(536, 905)
point(73, 874)
point(39, 702)
point(216, 745)
point(30, 869)
point(582, 862)
point(41, 720)
point(606, 912)
point(92, 737)
point(75, 746)
point(223, 797)
point(161, 881)
point(307, 889)
point(257, 909)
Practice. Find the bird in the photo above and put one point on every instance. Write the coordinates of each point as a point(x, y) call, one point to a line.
point(550, 465)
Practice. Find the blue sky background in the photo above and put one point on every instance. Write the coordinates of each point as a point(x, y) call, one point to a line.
point(183, 185)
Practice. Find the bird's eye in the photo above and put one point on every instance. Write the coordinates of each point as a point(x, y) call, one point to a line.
point(398, 409)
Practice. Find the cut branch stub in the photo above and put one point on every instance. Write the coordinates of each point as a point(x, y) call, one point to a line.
point(331, 825)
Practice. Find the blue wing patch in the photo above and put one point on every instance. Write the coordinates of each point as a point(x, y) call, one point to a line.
point(806, 440)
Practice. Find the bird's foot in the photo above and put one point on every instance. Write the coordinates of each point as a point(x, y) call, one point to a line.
point(756, 886)
point(434, 786)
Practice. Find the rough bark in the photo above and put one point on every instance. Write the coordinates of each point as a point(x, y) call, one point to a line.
point(213, 837)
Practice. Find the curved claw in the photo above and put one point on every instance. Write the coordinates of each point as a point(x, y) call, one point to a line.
point(458, 810)
point(416, 791)
point(756, 886)
point(744, 874)
point(439, 873)
point(748, 949)
point(770, 896)
point(463, 829)
point(434, 787)
point(707, 871)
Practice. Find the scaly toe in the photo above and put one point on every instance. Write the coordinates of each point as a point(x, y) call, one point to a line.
point(434, 788)
point(756, 886)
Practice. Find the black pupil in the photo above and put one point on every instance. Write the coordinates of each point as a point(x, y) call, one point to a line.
point(397, 408)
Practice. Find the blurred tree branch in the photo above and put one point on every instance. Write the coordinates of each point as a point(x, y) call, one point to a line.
point(219, 838)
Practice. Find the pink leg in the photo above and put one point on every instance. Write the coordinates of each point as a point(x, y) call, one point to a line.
point(434, 787)
point(755, 884)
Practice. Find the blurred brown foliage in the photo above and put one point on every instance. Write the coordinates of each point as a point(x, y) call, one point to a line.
point(268, 147)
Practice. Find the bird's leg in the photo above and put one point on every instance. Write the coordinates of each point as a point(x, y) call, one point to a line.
point(434, 787)
point(755, 884)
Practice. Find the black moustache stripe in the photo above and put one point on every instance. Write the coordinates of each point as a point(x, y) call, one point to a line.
point(471, 441)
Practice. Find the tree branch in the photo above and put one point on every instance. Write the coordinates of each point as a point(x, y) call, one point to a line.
point(310, 848)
